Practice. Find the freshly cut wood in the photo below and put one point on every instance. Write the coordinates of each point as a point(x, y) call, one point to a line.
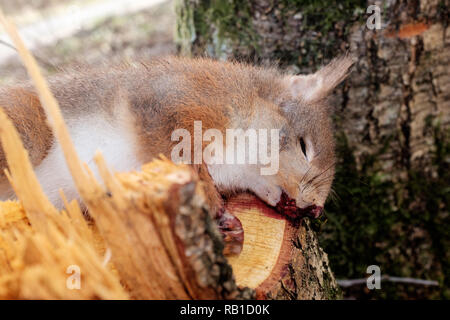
point(281, 258)
point(163, 241)
point(267, 242)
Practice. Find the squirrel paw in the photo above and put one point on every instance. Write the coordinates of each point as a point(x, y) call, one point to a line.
point(231, 229)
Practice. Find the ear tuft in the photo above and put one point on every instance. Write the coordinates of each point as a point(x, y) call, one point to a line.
point(319, 85)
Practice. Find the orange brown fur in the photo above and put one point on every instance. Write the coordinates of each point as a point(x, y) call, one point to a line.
point(24, 109)
point(161, 95)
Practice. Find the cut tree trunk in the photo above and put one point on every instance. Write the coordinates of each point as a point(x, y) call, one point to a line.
point(280, 259)
point(162, 239)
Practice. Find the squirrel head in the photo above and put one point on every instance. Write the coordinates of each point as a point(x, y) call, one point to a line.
point(307, 152)
point(298, 108)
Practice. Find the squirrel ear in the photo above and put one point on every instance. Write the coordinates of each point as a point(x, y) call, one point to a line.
point(317, 86)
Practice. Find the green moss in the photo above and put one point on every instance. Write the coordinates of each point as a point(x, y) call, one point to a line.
point(184, 28)
point(321, 16)
point(322, 26)
point(224, 29)
point(331, 291)
point(216, 26)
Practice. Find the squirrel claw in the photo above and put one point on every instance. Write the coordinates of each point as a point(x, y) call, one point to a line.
point(231, 229)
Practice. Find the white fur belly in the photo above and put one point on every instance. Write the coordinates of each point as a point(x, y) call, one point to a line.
point(116, 142)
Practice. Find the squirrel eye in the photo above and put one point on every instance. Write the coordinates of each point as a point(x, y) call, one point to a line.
point(303, 146)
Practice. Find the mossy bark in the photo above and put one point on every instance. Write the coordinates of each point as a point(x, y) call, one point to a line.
point(388, 107)
point(401, 78)
point(309, 276)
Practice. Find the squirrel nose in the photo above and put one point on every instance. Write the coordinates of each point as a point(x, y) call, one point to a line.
point(314, 211)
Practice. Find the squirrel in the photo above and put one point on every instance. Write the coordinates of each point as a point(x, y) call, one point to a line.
point(130, 111)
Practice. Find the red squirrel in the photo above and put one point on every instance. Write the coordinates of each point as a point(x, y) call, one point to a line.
point(130, 111)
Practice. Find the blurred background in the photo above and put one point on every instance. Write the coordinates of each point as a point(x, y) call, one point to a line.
point(390, 205)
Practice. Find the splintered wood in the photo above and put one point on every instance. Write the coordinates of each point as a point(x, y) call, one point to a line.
point(155, 223)
point(164, 244)
point(36, 260)
point(150, 234)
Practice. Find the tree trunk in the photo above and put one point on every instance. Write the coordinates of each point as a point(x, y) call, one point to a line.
point(388, 109)
point(401, 77)
point(280, 259)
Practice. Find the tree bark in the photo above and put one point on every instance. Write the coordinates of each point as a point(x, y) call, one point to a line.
point(388, 108)
point(400, 82)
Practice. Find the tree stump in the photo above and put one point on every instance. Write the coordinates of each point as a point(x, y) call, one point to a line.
point(166, 246)
point(280, 259)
